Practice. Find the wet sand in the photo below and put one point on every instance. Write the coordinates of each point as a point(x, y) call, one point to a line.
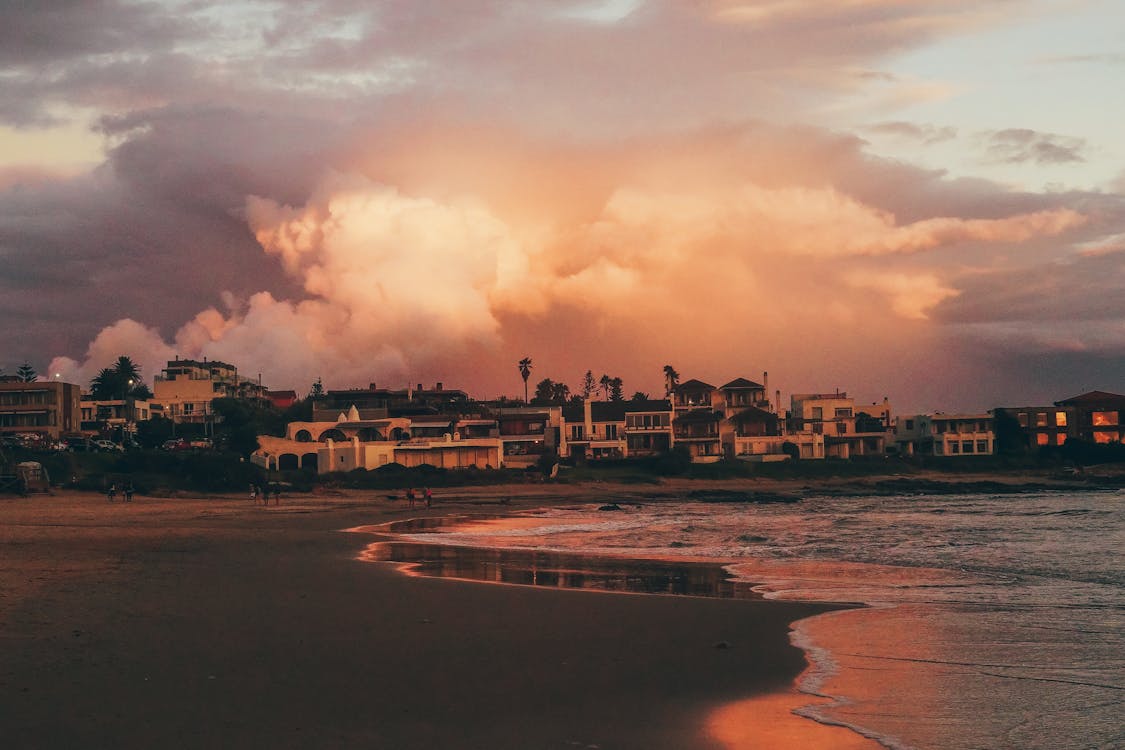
point(212, 622)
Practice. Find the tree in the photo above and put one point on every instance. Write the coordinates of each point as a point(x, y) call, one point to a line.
point(560, 392)
point(640, 396)
point(317, 389)
point(525, 372)
point(589, 385)
point(615, 390)
point(604, 383)
point(544, 391)
point(671, 379)
point(120, 381)
point(26, 373)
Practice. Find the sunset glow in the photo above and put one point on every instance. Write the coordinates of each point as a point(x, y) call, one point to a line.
point(891, 198)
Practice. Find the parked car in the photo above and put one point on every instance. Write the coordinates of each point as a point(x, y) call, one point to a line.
point(108, 446)
point(176, 444)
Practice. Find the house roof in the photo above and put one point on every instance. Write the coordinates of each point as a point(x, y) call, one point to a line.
point(632, 407)
point(741, 383)
point(754, 414)
point(600, 411)
point(1092, 397)
point(693, 385)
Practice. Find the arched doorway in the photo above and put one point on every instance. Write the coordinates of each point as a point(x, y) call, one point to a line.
point(308, 461)
point(332, 434)
point(287, 461)
point(303, 436)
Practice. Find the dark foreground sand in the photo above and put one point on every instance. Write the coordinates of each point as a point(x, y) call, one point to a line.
point(214, 623)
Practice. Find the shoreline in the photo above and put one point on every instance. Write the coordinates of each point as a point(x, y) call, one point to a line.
point(210, 621)
point(199, 621)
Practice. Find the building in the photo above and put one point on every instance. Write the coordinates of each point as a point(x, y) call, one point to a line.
point(378, 403)
point(47, 408)
point(595, 429)
point(1095, 417)
point(1033, 427)
point(118, 416)
point(186, 389)
point(946, 435)
point(833, 416)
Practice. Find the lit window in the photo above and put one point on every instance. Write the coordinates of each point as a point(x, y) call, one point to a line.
point(1022, 419)
point(1060, 438)
point(1041, 419)
point(1060, 418)
point(1105, 437)
point(1104, 418)
point(1041, 438)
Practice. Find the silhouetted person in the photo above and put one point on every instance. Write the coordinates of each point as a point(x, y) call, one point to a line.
point(128, 492)
point(111, 493)
point(429, 497)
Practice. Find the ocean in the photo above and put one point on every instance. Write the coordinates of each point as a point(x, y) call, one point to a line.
point(987, 621)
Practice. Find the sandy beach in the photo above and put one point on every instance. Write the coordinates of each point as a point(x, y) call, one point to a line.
point(212, 622)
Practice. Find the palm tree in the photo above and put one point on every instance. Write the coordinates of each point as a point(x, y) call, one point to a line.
point(525, 373)
point(604, 381)
point(127, 369)
point(671, 379)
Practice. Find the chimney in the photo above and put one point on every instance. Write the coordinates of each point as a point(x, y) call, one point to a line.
point(778, 400)
point(439, 385)
point(370, 386)
point(419, 388)
point(766, 388)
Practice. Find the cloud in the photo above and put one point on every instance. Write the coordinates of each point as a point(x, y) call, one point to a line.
point(927, 134)
point(1018, 145)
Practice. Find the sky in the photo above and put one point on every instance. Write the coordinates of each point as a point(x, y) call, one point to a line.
point(922, 200)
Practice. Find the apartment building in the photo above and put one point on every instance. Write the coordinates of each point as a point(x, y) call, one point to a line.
point(47, 408)
point(945, 435)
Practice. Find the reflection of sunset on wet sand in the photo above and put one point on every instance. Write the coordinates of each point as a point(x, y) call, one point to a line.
point(767, 722)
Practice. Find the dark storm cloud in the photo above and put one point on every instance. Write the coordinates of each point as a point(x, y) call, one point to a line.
point(1017, 145)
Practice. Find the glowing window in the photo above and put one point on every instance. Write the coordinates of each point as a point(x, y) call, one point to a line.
point(1104, 418)
point(1041, 419)
point(1041, 438)
point(1105, 437)
point(1060, 418)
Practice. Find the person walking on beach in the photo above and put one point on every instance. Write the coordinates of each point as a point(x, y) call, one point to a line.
point(111, 493)
point(410, 496)
point(128, 492)
point(429, 497)
point(276, 493)
point(253, 493)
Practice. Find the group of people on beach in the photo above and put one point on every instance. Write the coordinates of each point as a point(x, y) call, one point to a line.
point(412, 496)
point(127, 492)
point(273, 489)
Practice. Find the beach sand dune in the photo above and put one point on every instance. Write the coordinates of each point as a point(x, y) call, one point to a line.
point(211, 622)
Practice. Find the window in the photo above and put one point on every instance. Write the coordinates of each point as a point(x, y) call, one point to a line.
point(982, 446)
point(1104, 418)
point(1041, 419)
point(1060, 418)
point(1022, 418)
point(954, 447)
point(1041, 438)
point(1061, 438)
point(844, 412)
point(966, 446)
point(817, 412)
point(910, 424)
point(611, 432)
point(1105, 437)
point(841, 428)
point(577, 431)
